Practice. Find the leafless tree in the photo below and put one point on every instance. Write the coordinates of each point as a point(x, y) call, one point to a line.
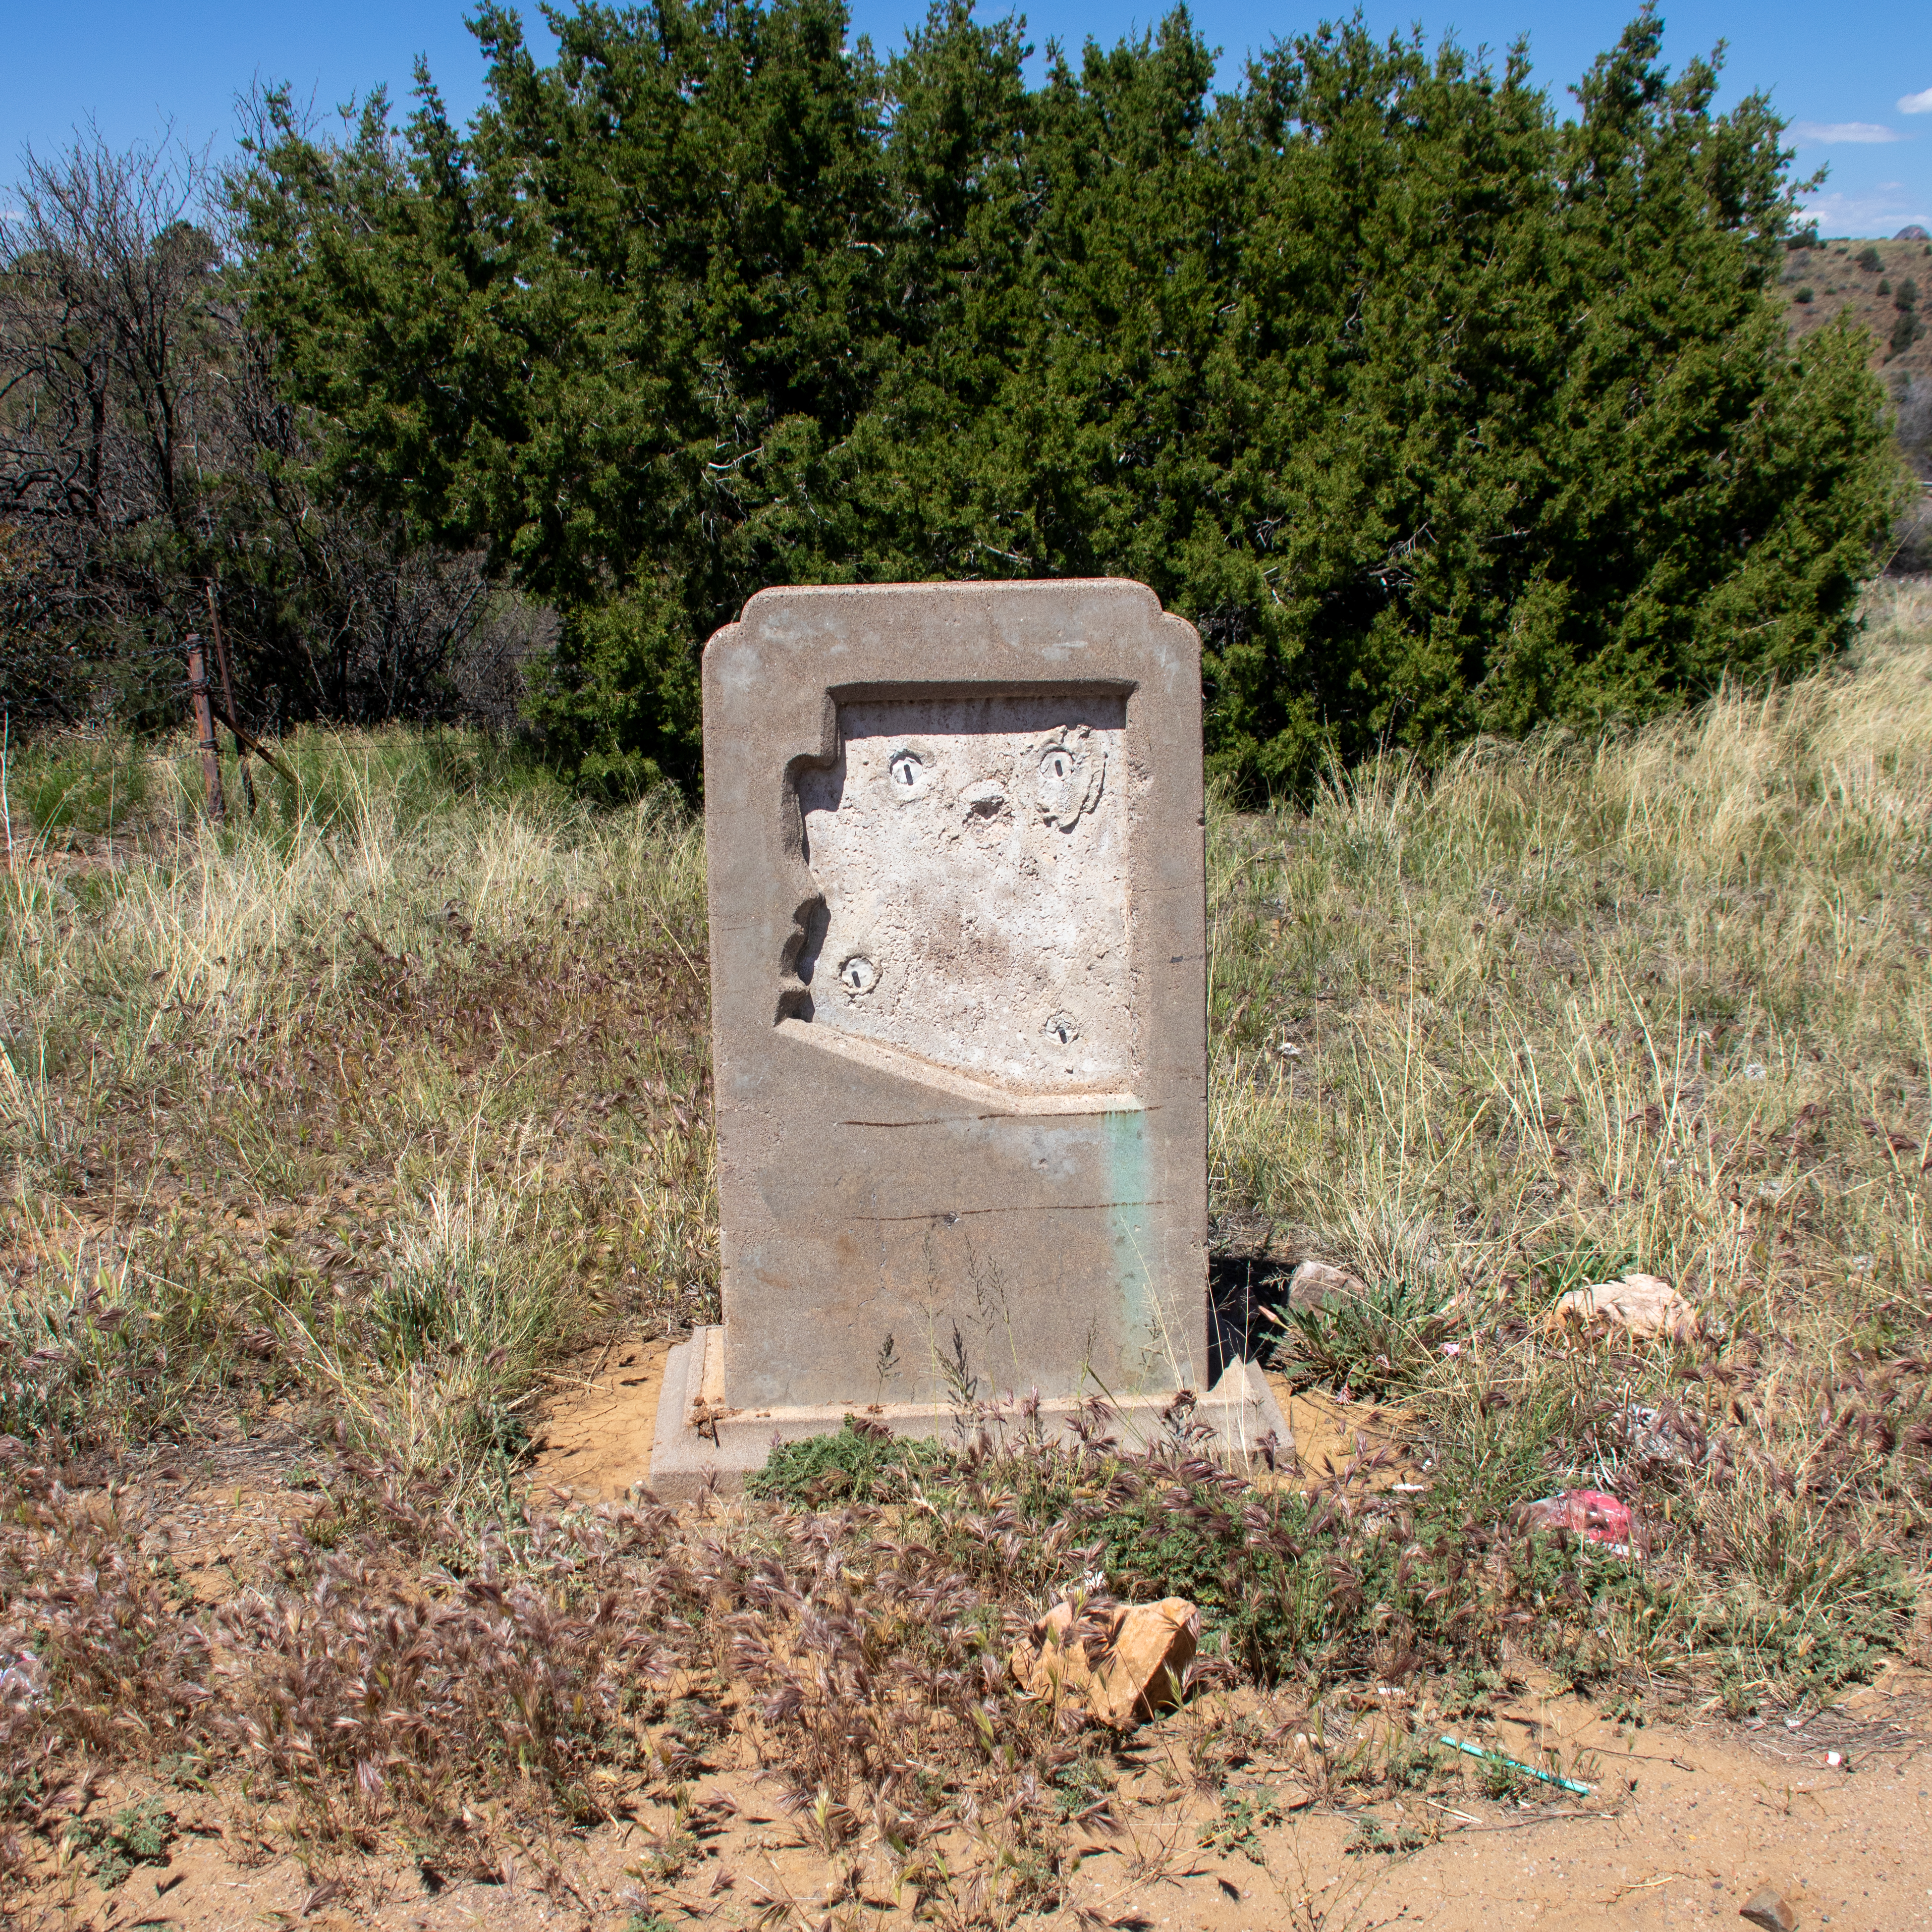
point(108, 426)
point(146, 458)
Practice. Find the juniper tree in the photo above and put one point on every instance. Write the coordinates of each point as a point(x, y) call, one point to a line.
point(1438, 412)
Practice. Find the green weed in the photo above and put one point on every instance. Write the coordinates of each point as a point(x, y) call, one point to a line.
point(860, 1464)
point(1383, 1342)
point(138, 1835)
point(1244, 1816)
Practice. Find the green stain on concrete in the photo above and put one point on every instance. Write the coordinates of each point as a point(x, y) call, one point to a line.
point(1144, 1346)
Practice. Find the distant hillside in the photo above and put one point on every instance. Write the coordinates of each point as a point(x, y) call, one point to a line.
point(1865, 279)
point(1876, 282)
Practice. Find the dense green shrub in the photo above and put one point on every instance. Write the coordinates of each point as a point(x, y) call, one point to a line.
point(1435, 414)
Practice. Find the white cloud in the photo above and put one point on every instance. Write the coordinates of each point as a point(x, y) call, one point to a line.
point(1832, 133)
point(1878, 216)
point(1916, 103)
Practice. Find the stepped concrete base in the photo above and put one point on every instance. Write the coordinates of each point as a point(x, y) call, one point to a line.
point(700, 1444)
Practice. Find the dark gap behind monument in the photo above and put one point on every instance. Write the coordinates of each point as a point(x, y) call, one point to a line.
point(1247, 1295)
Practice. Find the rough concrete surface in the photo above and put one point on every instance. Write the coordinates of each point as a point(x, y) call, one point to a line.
point(973, 862)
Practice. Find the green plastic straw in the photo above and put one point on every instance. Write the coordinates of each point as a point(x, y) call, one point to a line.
point(1516, 1764)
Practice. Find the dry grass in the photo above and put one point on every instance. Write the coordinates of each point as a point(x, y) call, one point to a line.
point(369, 1105)
point(339, 1128)
point(1662, 1001)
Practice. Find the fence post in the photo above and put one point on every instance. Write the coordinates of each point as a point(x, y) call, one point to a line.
point(228, 699)
point(204, 723)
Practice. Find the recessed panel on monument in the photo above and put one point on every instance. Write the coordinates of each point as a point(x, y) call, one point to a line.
point(954, 835)
point(972, 860)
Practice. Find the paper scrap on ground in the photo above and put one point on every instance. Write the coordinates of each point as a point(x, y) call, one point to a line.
point(1146, 1647)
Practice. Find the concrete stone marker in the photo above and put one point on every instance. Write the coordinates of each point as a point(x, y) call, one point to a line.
point(959, 991)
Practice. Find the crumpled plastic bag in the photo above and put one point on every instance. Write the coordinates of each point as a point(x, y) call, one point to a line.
point(1642, 1303)
point(1593, 1515)
point(1147, 1647)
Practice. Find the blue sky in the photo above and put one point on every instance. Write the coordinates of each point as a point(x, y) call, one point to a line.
point(1857, 84)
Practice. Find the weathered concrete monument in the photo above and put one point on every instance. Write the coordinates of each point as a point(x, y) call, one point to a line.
point(958, 970)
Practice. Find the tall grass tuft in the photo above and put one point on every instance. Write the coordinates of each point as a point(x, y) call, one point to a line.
point(405, 1073)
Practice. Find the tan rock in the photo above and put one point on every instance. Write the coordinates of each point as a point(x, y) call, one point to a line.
point(1316, 1284)
point(1146, 1648)
point(1643, 1304)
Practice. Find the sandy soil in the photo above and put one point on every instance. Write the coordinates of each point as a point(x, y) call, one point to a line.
point(1683, 1821)
point(597, 1436)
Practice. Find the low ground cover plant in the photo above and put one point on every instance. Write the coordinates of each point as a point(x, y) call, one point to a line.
point(341, 1139)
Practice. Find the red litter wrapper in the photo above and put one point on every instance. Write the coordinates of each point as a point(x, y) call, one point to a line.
point(1594, 1515)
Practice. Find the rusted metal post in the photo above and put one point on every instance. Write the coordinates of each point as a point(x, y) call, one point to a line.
point(204, 722)
point(228, 698)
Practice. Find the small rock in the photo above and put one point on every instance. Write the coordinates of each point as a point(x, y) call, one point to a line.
point(1315, 1284)
point(1768, 1907)
point(1641, 1303)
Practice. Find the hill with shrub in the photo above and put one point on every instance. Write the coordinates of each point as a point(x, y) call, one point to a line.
point(1884, 288)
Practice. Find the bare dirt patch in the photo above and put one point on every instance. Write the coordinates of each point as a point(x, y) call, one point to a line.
point(213, 1510)
point(597, 1428)
point(1366, 1440)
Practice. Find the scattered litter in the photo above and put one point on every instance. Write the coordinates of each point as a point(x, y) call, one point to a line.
point(1146, 1647)
point(1834, 1759)
point(1516, 1764)
point(23, 1680)
point(1642, 1303)
point(1768, 1907)
point(1594, 1515)
point(1755, 1071)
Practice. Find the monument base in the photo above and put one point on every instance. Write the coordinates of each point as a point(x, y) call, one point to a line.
point(699, 1443)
